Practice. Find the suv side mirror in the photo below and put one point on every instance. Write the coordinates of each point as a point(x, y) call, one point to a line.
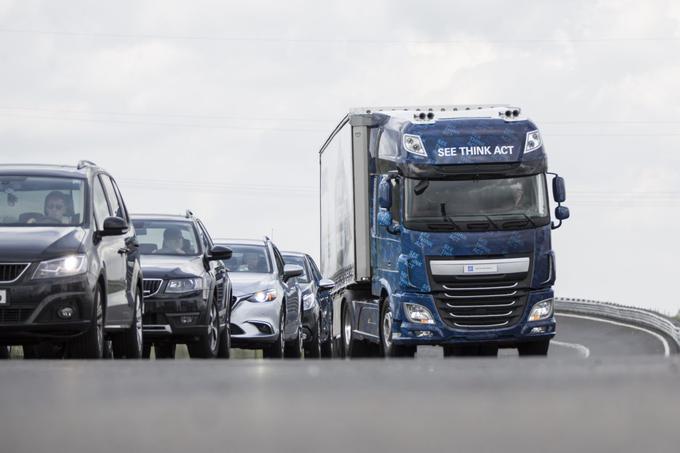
point(559, 191)
point(326, 284)
point(219, 252)
point(385, 193)
point(291, 270)
point(114, 226)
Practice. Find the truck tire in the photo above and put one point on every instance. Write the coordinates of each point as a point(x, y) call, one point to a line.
point(207, 345)
point(165, 350)
point(130, 343)
point(4, 352)
point(351, 347)
point(276, 349)
point(387, 346)
point(90, 345)
point(533, 348)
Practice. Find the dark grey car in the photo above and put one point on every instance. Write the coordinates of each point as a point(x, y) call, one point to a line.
point(267, 308)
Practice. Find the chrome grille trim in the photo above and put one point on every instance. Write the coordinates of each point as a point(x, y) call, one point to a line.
point(26, 265)
point(482, 306)
point(486, 288)
point(148, 292)
point(481, 325)
point(482, 296)
point(499, 315)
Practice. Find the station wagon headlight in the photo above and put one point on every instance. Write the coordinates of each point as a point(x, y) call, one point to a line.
point(266, 295)
point(62, 267)
point(414, 145)
point(184, 285)
point(533, 141)
point(541, 310)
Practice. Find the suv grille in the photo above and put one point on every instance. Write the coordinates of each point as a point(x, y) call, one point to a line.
point(14, 315)
point(151, 286)
point(10, 272)
point(481, 303)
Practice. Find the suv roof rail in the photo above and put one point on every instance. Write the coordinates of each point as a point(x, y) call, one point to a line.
point(188, 214)
point(85, 163)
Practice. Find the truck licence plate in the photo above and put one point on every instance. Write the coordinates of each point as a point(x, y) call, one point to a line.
point(3, 296)
point(480, 269)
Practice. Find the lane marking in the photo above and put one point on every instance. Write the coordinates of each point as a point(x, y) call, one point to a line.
point(666, 347)
point(584, 351)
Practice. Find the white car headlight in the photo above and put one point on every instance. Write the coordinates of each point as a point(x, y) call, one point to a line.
point(62, 267)
point(418, 314)
point(414, 145)
point(266, 295)
point(541, 310)
point(184, 285)
point(533, 142)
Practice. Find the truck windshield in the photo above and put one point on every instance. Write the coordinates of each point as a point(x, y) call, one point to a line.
point(477, 204)
point(41, 201)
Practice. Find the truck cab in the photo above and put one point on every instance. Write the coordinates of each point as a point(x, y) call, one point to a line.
point(443, 236)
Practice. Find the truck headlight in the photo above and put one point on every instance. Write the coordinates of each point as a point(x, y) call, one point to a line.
point(308, 301)
point(533, 141)
point(266, 295)
point(414, 145)
point(62, 267)
point(541, 310)
point(418, 314)
point(184, 285)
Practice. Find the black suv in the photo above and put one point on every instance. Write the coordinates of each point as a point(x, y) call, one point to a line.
point(69, 269)
point(187, 291)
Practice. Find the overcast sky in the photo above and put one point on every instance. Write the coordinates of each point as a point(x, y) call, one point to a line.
point(221, 107)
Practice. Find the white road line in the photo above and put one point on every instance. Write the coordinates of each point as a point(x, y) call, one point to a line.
point(584, 351)
point(666, 347)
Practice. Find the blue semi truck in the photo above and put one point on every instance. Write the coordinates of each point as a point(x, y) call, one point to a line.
point(436, 227)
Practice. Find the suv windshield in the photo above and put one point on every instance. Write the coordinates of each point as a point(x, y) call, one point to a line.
point(166, 237)
point(248, 258)
point(300, 261)
point(41, 201)
point(477, 204)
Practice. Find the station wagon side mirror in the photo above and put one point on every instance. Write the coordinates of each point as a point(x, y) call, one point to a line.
point(291, 270)
point(219, 252)
point(326, 284)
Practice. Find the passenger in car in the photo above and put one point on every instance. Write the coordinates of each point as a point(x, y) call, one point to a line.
point(172, 242)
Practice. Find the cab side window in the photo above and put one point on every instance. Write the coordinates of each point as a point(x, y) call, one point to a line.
point(116, 207)
point(121, 202)
point(100, 205)
point(279, 260)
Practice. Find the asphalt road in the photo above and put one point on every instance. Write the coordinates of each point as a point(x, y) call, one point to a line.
point(622, 398)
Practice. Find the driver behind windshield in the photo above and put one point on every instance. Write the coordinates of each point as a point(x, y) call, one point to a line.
point(172, 242)
point(55, 209)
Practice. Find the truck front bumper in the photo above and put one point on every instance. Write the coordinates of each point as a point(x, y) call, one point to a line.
point(440, 333)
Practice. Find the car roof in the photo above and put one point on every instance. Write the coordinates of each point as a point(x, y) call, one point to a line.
point(177, 217)
point(240, 241)
point(46, 170)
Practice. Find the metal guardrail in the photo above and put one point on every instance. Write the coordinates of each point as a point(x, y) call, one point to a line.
point(631, 315)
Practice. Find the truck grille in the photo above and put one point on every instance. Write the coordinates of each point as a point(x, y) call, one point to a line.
point(151, 286)
point(10, 272)
point(14, 315)
point(481, 304)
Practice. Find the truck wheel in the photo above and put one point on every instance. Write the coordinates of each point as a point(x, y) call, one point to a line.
point(276, 349)
point(165, 350)
point(294, 349)
point(350, 346)
point(533, 348)
point(225, 342)
point(90, 345)
point(4, 352)
point(207, 346)
point(130, 344)
point(387, 346)
point(313, 347)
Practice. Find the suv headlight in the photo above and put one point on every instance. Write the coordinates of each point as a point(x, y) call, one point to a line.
point(62, 267)
point(266, 295)
point(541, 310)
point(184, 285)
point(308, 301)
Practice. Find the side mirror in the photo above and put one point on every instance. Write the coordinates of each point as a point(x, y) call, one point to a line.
point(385, 193)
point(114, 226)
point(326, 284)
point(561, 213)
point(559, 191)
point(291, 270)
point(219, 252)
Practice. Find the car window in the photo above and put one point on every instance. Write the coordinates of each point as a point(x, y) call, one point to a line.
point(248, 258)
point(207, 240)
point(124, 210)
point(279, 260)
point(116, 207)
point(166, 237)
point(315, 270)
point(101, 207)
